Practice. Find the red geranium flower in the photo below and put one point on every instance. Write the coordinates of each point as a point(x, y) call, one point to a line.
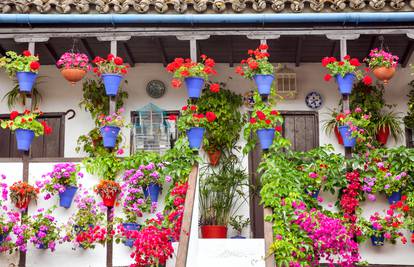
point(193, 107)
point(215, 87)
point(263, 47)
point(209, 62)
point(278, 128)
point(184, 108)
point(172, 117)
point(34, 65)
point(355, 62)
point(347, 57)
point(176, 83)
point(327, 77)
point(274, 112)
point(210, 116)
point(253, 120)
point(118, 61)
point(13, 115)
point(268, 121)
point(27, 53)
point(260, 115)
point(367, 80)
point(253, 65)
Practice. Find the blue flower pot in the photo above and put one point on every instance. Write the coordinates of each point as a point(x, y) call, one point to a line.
point(67, 196)
point(129, 242)
point(153, 191)
point(194, 86)
point(265, 137)
point(24, 139)
point(377, 241)
point(395, 197)
point(26, 80)
point(345, 83)
point(111, 82)
point(346, 134)
point(263, 83)
point(195, 137)
point(238, 237)
point(3, 238)
point(109, 135)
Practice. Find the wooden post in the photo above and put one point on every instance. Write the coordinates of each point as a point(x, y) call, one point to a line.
point(187, 218)
point(268, 236)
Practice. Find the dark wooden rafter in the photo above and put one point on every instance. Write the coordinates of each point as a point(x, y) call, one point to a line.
point(199, 51)
point(2, 51)
point(299, 45)
point(407, 54)
point(87, 48)
point(374, 40)
point(160, 45)
point(52, 51)
point(128, 54)
point(231, 53)
point(334, 49)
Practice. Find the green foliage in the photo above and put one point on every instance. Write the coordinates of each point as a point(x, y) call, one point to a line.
point(15, 97)
point(409, 118)
point(27, 121)
point(106, 166)
point(92, 143)
point(13, 63)
point(238, 223)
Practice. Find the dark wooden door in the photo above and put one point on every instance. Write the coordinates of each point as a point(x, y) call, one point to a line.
point(46, 146)
point(302, 129)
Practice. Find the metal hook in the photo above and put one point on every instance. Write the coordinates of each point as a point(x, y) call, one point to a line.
point(70, 111)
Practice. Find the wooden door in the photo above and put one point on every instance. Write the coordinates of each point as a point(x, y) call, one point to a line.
point(302, 129)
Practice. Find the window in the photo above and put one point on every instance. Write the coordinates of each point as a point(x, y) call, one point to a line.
point(46, 146)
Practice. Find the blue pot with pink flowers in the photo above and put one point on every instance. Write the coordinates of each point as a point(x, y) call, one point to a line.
point(345, 83)
point(129, 227)
point(67, 196)
point(346, 135)
point(109, 135)
point(394, 197)
point(26, 80)
point(152, 190)
point(24, 139)
point(195, 137)
point(194, 86)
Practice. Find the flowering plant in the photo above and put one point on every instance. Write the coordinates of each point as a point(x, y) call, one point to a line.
point(71, 60)
point(347, 66)
point(380, 58)
point(44, 230)
point(265, 118)
point(22, 192)
point(22, 232)
point(62, 176)
point(115, 119)
point(107, 188)
point(7, 220)
point(387, 180)
point(191, 118)
point(13, 63)
point(175, 207)
point(27, 120)
point(256, 63)
point(406, 207)
point(187, 68)
point(110, 65)
point(350, 198)
point(356, 120)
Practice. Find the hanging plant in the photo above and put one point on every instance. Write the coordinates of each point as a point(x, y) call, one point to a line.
point(112, 71)
point(108, 190)
point(110, 127)
point(21, 193)
point(352, 126)
point(382, 64)
point(73, 66)
point(15, 97)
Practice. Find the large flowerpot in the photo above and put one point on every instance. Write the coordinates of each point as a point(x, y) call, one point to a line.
point(26, 80)
point(214, 157)
point(384, 74)
point(345, 83)
point(194, 86)
point(111, 83)
point(129, 242)
point(338, 135)
point(73, 75)
point(23, 204)
point(24, 139)
point(214, 231)
point(109, 135)
point(153, 191)
point(394, 197)
point(383, 134)
point(109, 200)
point(66, 197)
point(346, 134)
point(263, 83)
point(377, 241)
point(195, 137)
point(265, 137)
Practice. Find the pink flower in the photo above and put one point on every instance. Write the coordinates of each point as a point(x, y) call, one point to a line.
point(120, 151)
point(387, 235)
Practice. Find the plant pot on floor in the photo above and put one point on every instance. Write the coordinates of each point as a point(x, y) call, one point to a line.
point(214, 157)
point(109, 135)
point(111, 83)
point(382, 135)
point(338, 135)
point(346, 134)
point(194, 86)
point(266, 137)
point(384, 74)
point(129, 242)
point(195, 137)
point(213, 231)
point(73, 75)
point(394, 197)
point(153, 191)
point(378, 241)
point(263, 83)
point(24, 139)
point(67, 196)
point(26, 80)
point(345, 83)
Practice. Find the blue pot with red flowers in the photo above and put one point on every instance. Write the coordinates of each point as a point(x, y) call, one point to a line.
point(266, 137)
point(26, 80)
point(378, 240)
point(24, 139)
point(345, 83)
point(153, 191)
point(67, 196)
point(194, 86)
point(195, 137)
point(111, 83)
point(263, 83)
point(109, 135)
point(394, 197)
point(346, 135)
point(129, 227)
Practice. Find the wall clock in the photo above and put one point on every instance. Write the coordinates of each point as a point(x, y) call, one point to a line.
point(314, 100)
point(155, 88)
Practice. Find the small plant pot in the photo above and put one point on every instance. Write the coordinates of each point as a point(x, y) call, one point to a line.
point(394, 197)
point(338, 135)
point(313, 194)
point(378, 241)
point(23, 204)
point(345, 83)
point(3, 238)
point(214, 157)
point(382, 135)
point(213, 231)
point(153, 191)
point(266, 137)
point(346, 134)
point(109, 200)
point(263, 83)
point(26, 80)
point(384, 74)
point(195, 137)
point(194, 86)
point(67, 196)
point(129, 242)
point(109, 135)
point(238, 237)
point(73, 75)
point(24, 139)
point(111, 83)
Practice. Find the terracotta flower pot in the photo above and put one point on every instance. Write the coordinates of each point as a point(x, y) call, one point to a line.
point(214, 231)
point(338, 136)
point(383, 134)
point(73, 75)
point(214, 157)
point(109, 200)
point(384, 74)
point(23, 204)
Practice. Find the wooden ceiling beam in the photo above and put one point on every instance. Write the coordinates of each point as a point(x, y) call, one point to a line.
point(407, 54)
point(231, 54)
point(128, 54)
point(87, 48)
point(299, 45)
point(52, 51)
point(160, 45)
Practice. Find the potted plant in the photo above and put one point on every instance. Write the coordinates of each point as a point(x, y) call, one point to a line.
point(73, 66)
point(45, 232)
point(24, 67)
point(388, 122)
point(110, 126)
point(111, 70)
point(108, 190)
point(406, 207)
point(21, 193)
point(345, 73)
point(331, 125)
point(382, 64)
point(258, 68)
point(390, 182)
point(238, 224)
point(26, 127)
point(352, 126)
point(383, 228)
point(8, 219)
point(193, 73)
point(63, 181)
point(194, 124)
